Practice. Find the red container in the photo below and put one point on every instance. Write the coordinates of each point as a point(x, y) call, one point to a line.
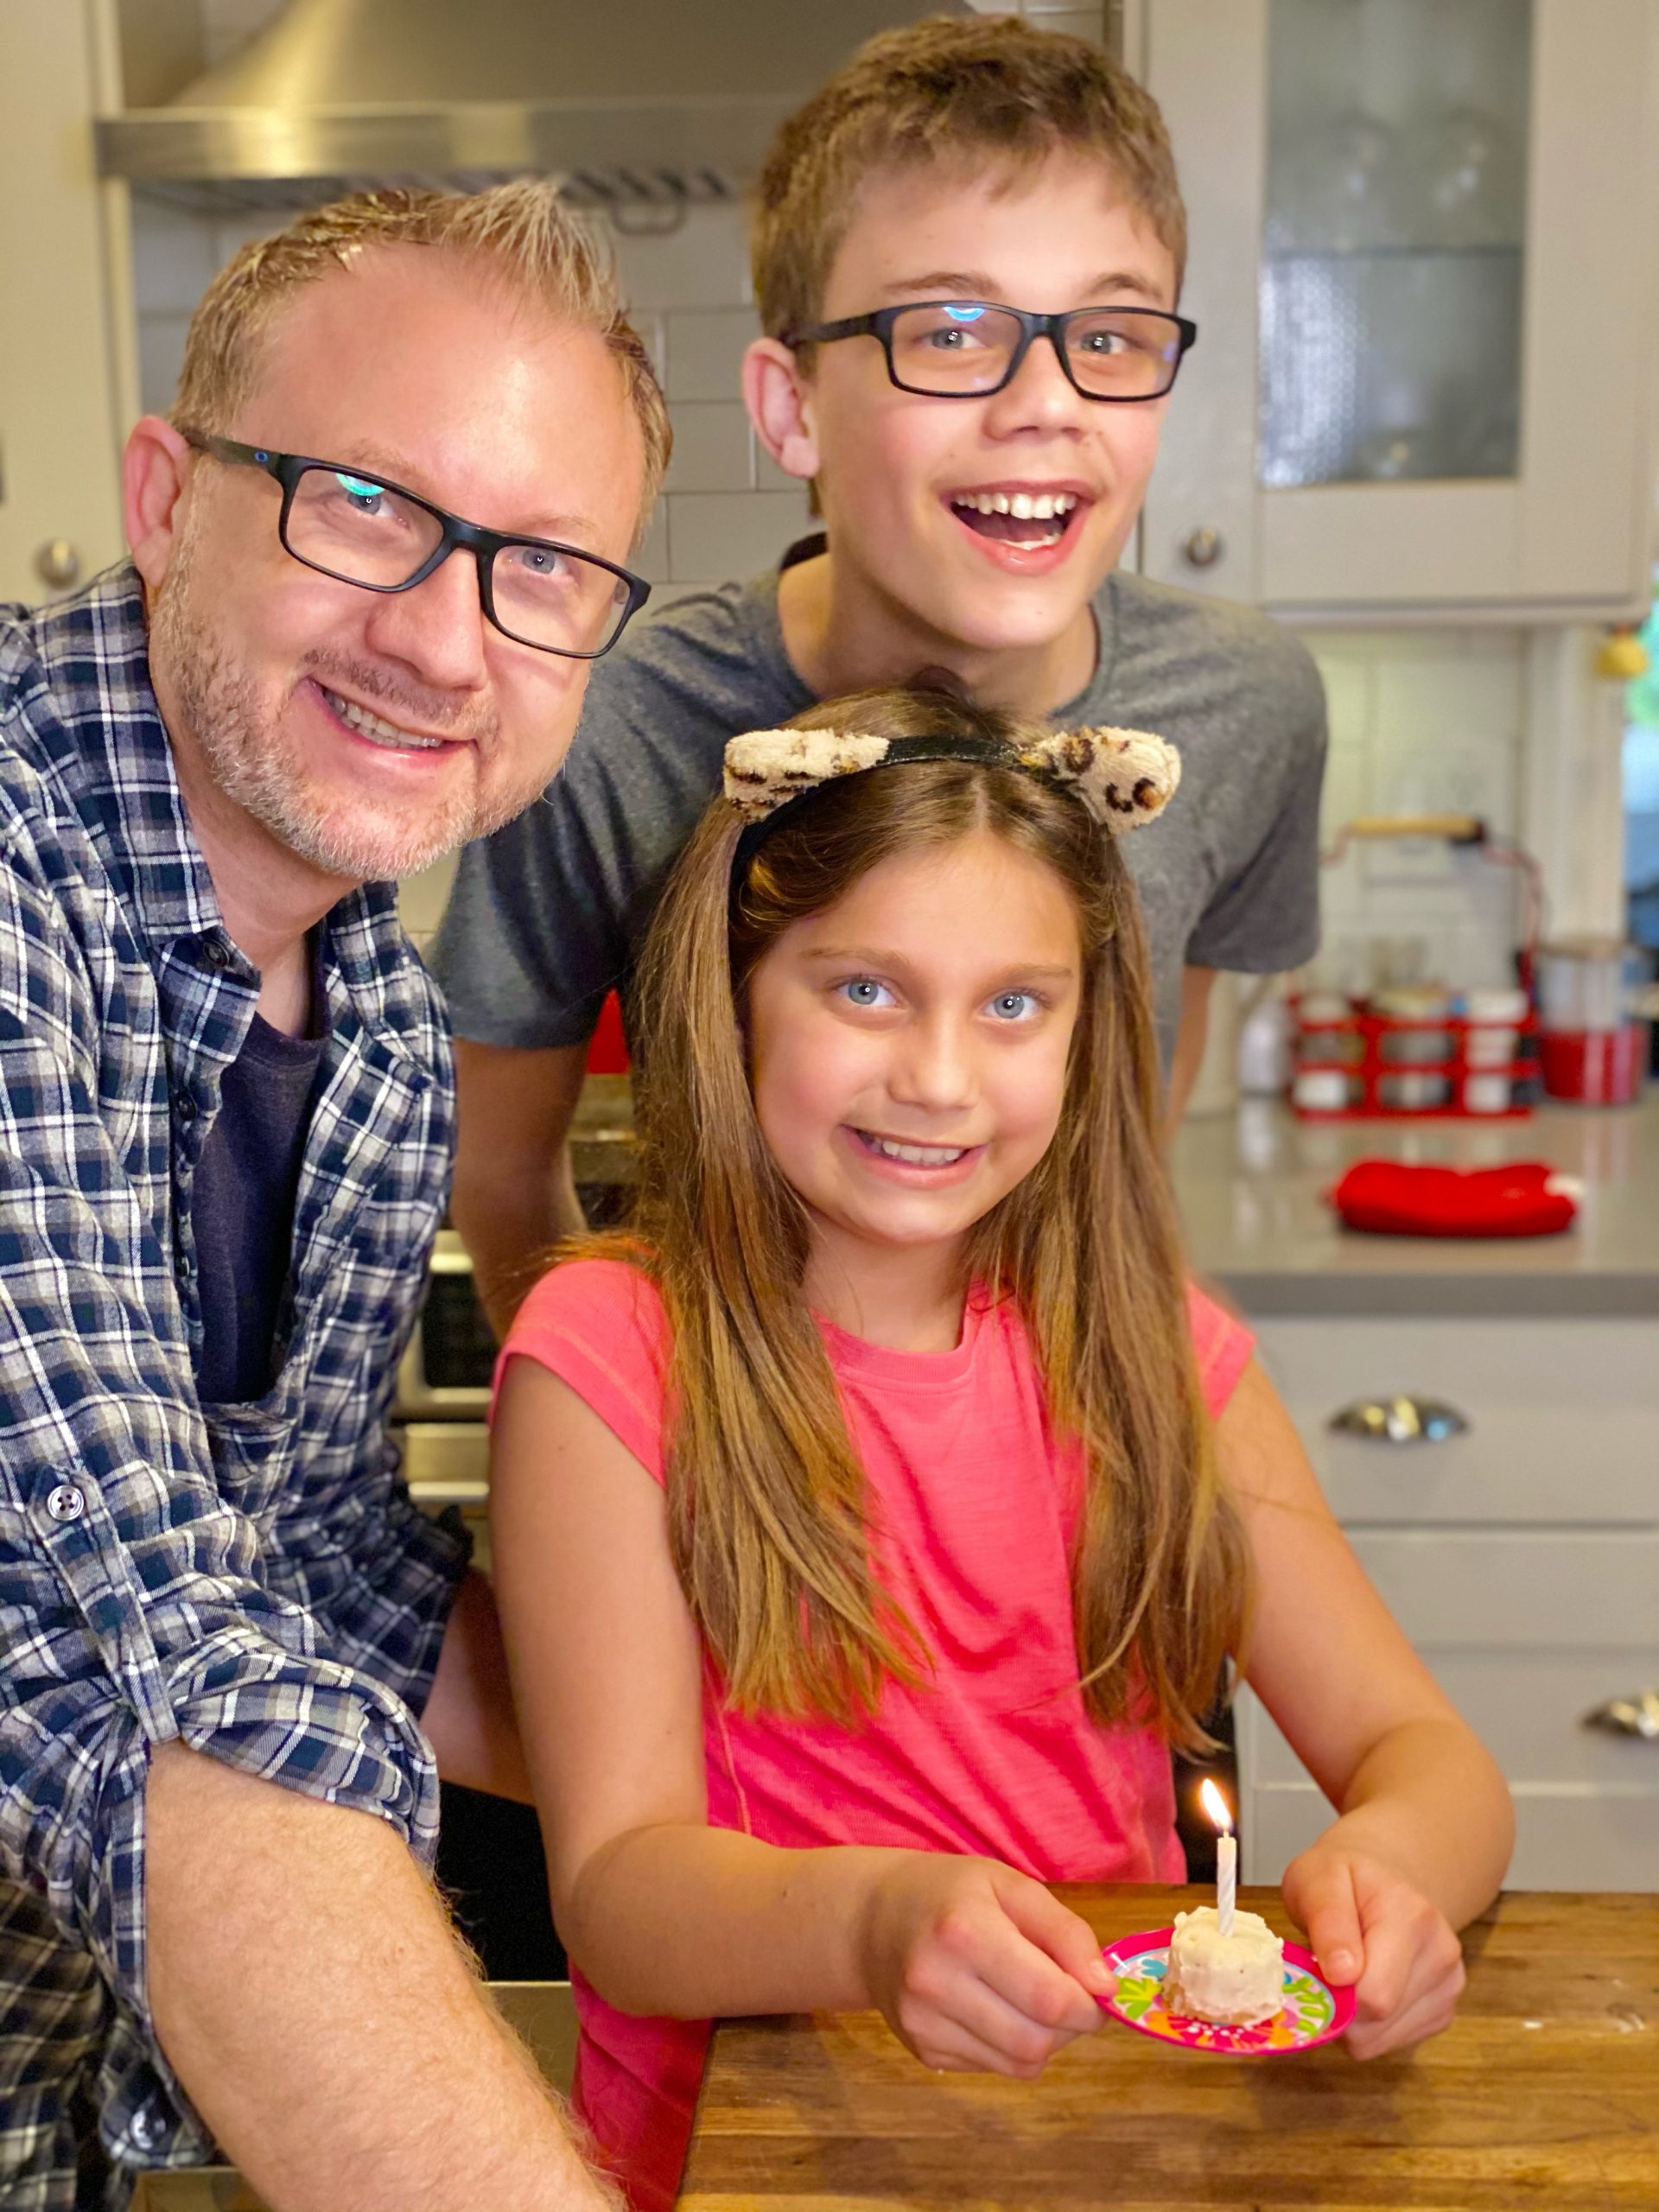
point(607, 1049)
point(1596, 1067)
point(1359, 1054)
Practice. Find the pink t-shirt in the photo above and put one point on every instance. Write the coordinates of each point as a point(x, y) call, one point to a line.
point(975, 1507)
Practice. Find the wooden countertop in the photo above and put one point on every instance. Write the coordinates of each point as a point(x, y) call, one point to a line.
point(1544, 2092)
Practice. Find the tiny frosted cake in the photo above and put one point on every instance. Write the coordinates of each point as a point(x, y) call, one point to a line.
point(1236, 1977)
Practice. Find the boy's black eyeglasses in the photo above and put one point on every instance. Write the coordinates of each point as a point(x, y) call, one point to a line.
point(363, 531)
point(964, 349)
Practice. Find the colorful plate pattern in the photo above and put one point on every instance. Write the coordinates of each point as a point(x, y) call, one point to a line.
point(1313, 2011)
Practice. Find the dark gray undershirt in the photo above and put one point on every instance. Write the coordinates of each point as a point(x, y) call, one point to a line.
point(243, 1205)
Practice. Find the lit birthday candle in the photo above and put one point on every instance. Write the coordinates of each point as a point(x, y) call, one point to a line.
point(1226, 1855)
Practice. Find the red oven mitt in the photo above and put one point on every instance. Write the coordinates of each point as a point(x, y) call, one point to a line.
point(1527, 1198)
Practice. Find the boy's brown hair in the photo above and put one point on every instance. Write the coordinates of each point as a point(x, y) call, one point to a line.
point(992, 92)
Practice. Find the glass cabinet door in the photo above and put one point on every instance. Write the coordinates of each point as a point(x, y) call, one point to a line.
point(1392, 253)
point(1423, 273)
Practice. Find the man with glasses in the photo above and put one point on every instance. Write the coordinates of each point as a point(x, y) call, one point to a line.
point(967, 259)
point(374, 553)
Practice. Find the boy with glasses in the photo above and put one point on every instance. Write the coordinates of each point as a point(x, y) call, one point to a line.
point(967, 257)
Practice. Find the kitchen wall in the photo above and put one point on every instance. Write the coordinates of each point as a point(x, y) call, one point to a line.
point(1420, 721)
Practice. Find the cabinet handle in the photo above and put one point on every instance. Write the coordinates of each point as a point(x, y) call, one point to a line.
point(1203, 547)
point(1628, 1716)
point(58, 562)
point(1400, 1420)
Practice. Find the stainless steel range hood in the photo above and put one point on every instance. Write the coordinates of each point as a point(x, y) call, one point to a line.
point(634, 102)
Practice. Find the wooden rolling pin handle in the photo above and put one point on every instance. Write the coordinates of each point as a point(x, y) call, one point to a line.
point(1461, 829)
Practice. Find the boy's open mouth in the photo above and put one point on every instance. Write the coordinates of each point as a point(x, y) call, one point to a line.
point(1031, 521)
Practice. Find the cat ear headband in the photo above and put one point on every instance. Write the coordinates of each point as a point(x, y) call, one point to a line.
point(1123, 777)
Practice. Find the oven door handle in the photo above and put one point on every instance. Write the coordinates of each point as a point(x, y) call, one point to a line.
point(440, 1491)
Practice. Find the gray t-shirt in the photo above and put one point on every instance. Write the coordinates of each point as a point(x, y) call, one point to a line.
point(547, 915)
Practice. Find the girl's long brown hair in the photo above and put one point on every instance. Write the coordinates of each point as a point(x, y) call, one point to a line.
point(767, 1498)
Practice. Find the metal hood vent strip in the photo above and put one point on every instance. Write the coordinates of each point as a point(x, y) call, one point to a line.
point(652, 102)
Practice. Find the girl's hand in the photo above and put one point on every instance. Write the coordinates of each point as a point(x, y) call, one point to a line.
point(977, 1968)
point(1368, 1926)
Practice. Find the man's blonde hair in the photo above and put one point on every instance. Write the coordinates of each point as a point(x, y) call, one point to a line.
point(993, 93)
point(524, 232)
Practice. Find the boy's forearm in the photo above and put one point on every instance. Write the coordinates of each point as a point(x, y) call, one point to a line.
point(468, 1719)
point(1430, 1801)
point(331, 2032)
point(510, 1219)
point(694, 1921)
point(515, 1194)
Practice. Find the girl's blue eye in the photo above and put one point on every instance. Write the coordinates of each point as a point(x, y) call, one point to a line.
point(864, 990)
point(1013, 1005)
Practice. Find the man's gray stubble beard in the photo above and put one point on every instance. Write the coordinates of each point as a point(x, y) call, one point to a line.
point(258, 770)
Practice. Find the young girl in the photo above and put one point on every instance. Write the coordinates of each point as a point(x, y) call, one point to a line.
point(871, 1521)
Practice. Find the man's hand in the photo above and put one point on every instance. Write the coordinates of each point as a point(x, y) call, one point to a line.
point(1369, 1928)
point(977, 1968)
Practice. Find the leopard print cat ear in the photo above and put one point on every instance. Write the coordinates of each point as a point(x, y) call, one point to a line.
point(765, 768)
point(1124, 777)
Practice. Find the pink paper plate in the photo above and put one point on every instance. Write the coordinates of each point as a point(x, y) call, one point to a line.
point(1313, 2011)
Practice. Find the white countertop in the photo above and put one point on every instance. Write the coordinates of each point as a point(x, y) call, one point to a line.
point(1249, 1186)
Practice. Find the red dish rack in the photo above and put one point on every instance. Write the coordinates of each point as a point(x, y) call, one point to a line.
point(1371, 1065)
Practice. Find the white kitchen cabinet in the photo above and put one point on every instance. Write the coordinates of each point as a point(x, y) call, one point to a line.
point(1520, 1556)
point(66, 386)
point(1422, 273)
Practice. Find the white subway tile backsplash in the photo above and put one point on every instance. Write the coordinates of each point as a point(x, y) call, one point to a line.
point(232, 233)
point(700, 262)
point(714, 535)
point(766, 475)
point(1347, 791)
point(648, 558)
point(173, 256)
point(1421, 722)
point(711, 448)
point(705, 351)
point(161, 350)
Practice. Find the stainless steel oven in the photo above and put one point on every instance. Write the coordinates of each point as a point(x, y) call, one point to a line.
point(443, 1395)
point(445, 1374)
point(444, 1384)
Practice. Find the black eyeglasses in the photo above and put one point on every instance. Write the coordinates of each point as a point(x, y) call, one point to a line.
point(364, 532)
point(964, 349)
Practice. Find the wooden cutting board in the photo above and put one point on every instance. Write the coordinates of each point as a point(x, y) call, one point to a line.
point(1544, 2093)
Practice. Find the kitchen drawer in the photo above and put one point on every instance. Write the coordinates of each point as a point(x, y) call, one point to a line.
point(1527, 1707)
point(1563, 1415)
point(1527, 1589)
point(1566, 1838)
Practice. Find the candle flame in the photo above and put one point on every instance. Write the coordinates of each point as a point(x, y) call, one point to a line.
point(1215, 1805)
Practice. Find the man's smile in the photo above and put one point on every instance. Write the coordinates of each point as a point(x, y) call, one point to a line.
point(378, 729)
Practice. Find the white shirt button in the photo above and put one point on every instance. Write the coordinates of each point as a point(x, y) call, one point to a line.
point(66, 1503)
point(149, 2127)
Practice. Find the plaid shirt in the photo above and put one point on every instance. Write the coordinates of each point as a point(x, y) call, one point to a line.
point(251, 1580)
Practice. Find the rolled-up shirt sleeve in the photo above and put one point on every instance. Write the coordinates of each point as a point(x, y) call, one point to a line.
point(135, 1607)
